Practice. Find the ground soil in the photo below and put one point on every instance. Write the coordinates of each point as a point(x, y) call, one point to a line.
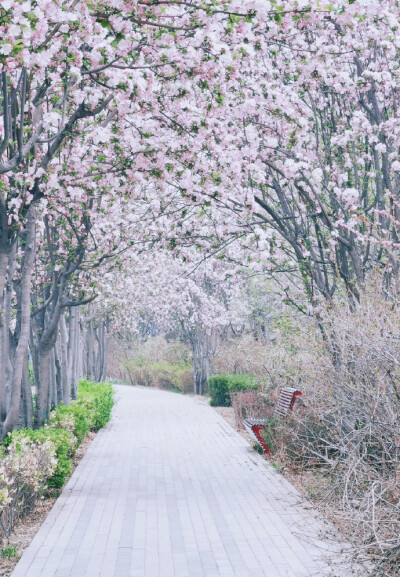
point(27, 528)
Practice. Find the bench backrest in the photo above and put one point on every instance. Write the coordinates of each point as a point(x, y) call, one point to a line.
point(286, 401)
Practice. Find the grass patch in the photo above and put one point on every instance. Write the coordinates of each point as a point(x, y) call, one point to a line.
point(9, 552)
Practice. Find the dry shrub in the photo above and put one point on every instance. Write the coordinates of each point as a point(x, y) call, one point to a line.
point(252, 405)
point(275, 363)
point(348, 427)
point(344, 435)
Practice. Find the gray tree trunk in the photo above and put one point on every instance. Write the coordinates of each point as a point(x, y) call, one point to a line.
point(42, 397)
point(27, 399)
point(57, 363)
point(64, 361)
point(202, 343)
point(23, 323)
point(72, 350)
point(77, 356)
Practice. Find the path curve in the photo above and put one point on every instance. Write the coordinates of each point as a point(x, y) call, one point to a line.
point(169, 489)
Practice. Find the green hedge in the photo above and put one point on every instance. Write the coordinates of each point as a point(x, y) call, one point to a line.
point(64, 445)
point(77, 415)
point(98, 400)
point(221, 386)
point(69, 425)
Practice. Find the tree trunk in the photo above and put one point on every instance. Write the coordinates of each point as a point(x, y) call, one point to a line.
point(47, 342)
point(27, 399)
point(57, 363)
point(90, 351)
point(4, 268)
point(9, 345)
point(64, 361)
point(97, 352)
point(106, 348)
point(23, 322)
point(72, 350)
point(42, 398)
point(202, 350)
point(77, 357)
point(53, 396)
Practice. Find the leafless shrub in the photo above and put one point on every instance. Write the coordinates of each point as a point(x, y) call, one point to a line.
point(348, 428)
point(275, 363)
point(252, 404)
point(344, 436)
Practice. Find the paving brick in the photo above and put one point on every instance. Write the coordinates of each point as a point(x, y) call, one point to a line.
point(169, 489)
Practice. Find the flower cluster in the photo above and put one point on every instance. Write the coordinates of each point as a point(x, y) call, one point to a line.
point(24, 469)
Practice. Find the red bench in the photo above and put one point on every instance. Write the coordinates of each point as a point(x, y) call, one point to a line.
point(285, 403)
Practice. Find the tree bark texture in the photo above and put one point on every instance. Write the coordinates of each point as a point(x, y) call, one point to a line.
point(23, 328)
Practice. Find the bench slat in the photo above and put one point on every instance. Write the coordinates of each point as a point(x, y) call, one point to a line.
point(254, 426)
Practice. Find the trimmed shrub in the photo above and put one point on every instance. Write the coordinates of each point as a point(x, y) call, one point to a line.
point(25, 466)
point(73, 418)
point(69, 425)
point(221, 387)
point(218, 389)
point(91, 411)
point(64, 444)
point(98, 400)
point(31, 460)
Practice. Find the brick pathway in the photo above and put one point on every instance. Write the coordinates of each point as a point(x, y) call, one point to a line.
point(169, 489)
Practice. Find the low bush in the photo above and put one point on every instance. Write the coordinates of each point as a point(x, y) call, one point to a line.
point(161, 375)
point(64, 444)
point(25, 467)
point(74, 418)
point(98, 400)
point(32, 460)
point(221, 387)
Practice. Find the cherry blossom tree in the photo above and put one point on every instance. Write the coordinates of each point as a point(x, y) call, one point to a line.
point(245, 135)
point(194, 304)
point(317, 143)
point(100, 95)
